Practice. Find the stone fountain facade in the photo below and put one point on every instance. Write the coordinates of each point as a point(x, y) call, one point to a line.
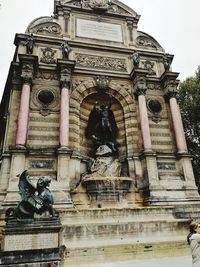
point(88, 52)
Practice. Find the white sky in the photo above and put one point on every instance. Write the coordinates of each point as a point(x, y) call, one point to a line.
point(175, 24)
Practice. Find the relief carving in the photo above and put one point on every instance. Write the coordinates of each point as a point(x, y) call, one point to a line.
point(44, 75)
point(149, 65)
point(48, 55)
point(99, 62)
point(47, 28)
point(146, 42)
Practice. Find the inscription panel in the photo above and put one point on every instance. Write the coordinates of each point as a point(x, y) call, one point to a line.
point(99, 30)
point(30, 241)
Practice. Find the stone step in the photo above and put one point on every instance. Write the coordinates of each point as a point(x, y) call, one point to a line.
point(79, 232)
point(93, 251)
point(144, 212)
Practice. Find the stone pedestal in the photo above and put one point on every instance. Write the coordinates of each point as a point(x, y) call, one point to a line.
point(34, 242)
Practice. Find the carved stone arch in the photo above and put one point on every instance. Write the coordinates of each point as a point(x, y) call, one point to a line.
point(87, 89)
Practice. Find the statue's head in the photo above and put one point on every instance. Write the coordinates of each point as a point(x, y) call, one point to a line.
point(43, 182)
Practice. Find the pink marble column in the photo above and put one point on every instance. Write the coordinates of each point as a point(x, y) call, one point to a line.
point(22, 124)
point(144, 123)
point(64, 116)
point(178, 125)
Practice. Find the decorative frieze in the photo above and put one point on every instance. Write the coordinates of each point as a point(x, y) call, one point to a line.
point(100, 62)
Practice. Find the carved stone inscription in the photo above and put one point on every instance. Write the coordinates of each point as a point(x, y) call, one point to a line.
point(31, 241)
point(99, 30)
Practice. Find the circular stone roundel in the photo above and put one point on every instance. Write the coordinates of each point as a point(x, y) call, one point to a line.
point(154, 105)
point(46, 96)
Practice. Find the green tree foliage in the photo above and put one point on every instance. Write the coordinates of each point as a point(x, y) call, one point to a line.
point(189, 91)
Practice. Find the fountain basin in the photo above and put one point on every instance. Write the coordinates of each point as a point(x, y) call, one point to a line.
point(107, 188)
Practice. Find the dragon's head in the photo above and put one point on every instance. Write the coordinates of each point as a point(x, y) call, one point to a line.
point(43, 182)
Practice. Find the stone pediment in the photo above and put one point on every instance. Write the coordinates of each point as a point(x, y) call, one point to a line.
point(146, 41)
point(107, 6)
point(44, 25)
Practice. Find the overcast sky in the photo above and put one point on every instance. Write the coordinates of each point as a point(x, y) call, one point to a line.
point(175, 24)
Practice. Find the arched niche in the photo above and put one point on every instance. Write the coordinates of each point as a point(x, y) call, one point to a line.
point(86, 145)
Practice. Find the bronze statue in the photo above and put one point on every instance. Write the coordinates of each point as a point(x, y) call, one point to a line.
point(102, 128)
point(136, 59)
point(167, 63)
point(33, 199)
point(65, 49)
point(30, 44)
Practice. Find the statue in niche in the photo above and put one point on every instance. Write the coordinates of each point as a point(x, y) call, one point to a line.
point(34, 199)
point(102, 128)
point(65, 49)
point(30, 44)
point(136, 59)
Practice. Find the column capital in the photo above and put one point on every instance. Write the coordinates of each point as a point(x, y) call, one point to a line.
point(140, 86)
point(28, 65)
point(170, 89)
point(169, 84)
point(65, 68)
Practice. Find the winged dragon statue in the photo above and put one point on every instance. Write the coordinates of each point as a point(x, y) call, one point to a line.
point(34, 199)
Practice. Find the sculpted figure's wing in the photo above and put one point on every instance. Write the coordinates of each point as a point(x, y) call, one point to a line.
point(92, 122)
point(26, 188)
point(113, 123)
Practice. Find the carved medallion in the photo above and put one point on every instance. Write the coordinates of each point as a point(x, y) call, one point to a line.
point(149, 65)
point(48, 55)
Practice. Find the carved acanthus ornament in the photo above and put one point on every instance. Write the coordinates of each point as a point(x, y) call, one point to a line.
point(48, 56)
point(100, 62)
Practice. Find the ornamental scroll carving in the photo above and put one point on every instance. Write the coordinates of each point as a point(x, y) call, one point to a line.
point(146, 42)
point(46, 28)
point(106, 5)
point(99, 62)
